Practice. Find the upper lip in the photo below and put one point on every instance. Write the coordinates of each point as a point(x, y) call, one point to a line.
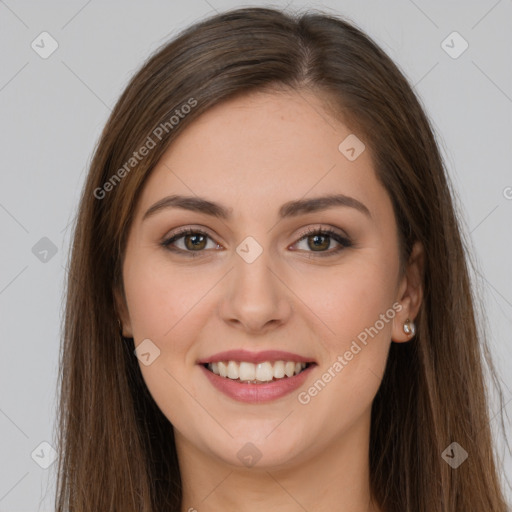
point(255, 357)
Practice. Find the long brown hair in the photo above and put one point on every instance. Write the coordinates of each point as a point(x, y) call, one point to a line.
point(116, 448)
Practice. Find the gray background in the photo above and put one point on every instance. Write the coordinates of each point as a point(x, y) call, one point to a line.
point(52, 113)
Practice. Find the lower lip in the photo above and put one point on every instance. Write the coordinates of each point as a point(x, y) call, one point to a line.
point(256, 393)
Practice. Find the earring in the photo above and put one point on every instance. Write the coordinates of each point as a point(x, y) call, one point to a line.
point(409, 327)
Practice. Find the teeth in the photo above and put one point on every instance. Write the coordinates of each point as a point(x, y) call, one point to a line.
point(261, 372)
point(289, 368)
point(279, 369)
point(247, 371)
point(264, 372)
point(233, 370)
point(223, 370)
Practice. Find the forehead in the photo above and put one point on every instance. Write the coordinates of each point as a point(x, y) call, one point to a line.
point(261, 150)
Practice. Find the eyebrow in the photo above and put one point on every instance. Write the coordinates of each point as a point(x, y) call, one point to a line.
point(289, 209)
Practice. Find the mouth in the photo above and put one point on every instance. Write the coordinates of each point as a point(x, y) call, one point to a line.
point(257, 373)
point(256, 377)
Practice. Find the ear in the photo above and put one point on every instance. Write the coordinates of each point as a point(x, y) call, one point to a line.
point(410, 293)
point(122, 312)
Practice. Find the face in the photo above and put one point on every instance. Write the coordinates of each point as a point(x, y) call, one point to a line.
point(264, 282)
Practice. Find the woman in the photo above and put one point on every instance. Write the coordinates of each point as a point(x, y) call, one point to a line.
point(269, 303)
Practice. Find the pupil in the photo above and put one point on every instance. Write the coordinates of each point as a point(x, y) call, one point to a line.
point(195, 242)
point(316, 243)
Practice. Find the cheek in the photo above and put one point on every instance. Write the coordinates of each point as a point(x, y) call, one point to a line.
point(349, 298)
point(354, 303)
point(163, 303)
point(162, 297)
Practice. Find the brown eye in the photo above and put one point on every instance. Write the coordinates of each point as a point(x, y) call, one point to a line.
point(195, 241)
point(319, 240)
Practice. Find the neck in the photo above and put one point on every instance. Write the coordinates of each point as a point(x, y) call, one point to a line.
point(336, 478)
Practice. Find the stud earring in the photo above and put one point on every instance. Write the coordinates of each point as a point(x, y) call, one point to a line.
point(409, 327)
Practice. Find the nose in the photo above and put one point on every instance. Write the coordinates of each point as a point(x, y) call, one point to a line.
point(256, 298)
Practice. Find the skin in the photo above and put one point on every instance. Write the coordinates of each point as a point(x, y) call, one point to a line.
point(252, 154)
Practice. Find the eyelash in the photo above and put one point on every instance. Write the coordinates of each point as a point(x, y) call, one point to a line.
point(343, 241)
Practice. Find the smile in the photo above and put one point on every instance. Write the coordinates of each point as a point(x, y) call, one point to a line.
point(258, 373)
point(256, 377)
